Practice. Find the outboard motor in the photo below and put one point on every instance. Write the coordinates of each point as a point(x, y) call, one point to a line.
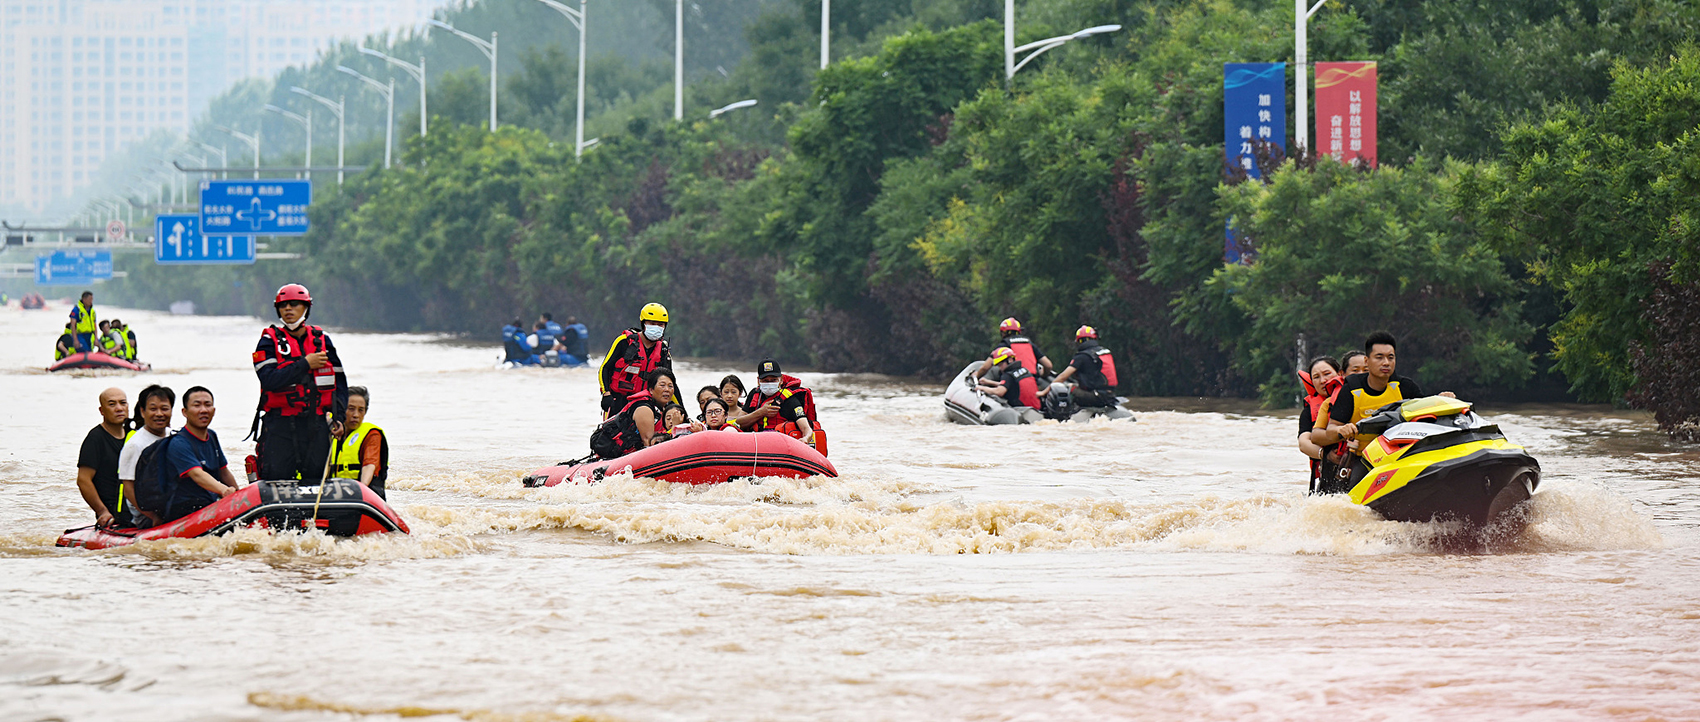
point(1058, 403)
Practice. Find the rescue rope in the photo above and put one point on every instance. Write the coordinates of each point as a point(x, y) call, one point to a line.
point(326, 478)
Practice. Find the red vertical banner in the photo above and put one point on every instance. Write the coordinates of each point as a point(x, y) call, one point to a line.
point(1345, 111)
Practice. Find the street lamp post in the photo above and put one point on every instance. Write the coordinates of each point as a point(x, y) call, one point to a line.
point(253, 141)
point(1301, 70)
point(825, 31)
point(731, 107)
point(222, 161)
point(418, 73)
point(489, 50)
point(577, 18)
point(336, 107)
point(389, 97)
point(306, 121)
point(679, 60)
point(1038, 47)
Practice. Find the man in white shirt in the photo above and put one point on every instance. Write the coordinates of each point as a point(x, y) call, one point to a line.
point(153, 411)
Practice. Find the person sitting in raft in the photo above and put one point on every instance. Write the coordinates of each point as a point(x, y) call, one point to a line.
point(67, 343)
point(194, 460)
point(103, 339)
point(677, 421)
point(1013, 339)
point(636, 425)
point(703, 395)
point(97, 460)
point(635, 353)
point(1320, 384)
point(714, 416)
point(792, 406)
point(546, 331)
point(1359, 396)
point(573, 340)
point(1093, 369)
point(130, 347)
point(152, 423)
point(1354, 362)
point(362, 450)
point(1016, 386)
point(120, 340)
point(518, 348)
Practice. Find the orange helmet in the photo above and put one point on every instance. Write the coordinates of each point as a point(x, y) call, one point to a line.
point(293, 292)
point(1085, 332)
point(1010, 324)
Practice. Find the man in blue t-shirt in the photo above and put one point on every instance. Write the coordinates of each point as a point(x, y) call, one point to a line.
point(195, 466)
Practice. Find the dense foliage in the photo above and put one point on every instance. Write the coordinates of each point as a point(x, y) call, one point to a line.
point(1538, 183)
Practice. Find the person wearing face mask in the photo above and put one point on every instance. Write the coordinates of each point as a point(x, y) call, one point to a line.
point(636, 353)
point(301, 381)
point(793, 407)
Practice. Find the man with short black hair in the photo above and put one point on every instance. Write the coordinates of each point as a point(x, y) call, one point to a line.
point(194, 461)
point(84, 323)
point(67, 343)
point(97, 461)
point(1363, 393)
point(153, 411)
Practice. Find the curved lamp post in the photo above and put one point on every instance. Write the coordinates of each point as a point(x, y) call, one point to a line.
point(388, 92)
point(489, 50)
point(336, 107)
point(1040, 46)
point(577, 18)
point(253, 141)
point(222, 161)
point(418, 73)
point(731, 107)
point(306, 121)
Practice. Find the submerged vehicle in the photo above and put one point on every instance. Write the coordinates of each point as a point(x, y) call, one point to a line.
point(98, 360)
point(1434, 459)
point(338, 507)
point(965, 403)
point(705, 457)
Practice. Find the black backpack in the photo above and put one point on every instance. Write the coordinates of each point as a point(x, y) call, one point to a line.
point(153, 489)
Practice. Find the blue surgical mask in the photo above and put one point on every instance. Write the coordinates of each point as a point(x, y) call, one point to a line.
point(653, 332)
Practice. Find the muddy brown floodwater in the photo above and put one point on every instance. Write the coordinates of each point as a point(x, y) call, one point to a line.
point(1169, 569)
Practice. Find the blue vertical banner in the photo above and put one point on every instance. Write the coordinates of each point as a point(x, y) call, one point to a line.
point(1254, 108)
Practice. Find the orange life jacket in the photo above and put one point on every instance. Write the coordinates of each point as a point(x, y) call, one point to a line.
point(318, 397)
point(630, 371)
point(1023, 350)
point(1026, 386)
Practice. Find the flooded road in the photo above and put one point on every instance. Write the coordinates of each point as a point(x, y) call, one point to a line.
point(1167, 569)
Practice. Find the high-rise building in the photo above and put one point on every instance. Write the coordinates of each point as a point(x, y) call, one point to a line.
point(80, 79)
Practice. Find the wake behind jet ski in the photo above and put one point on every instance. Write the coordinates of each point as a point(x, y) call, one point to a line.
point(1434, 459)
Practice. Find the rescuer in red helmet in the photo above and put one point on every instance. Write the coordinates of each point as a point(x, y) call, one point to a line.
point(1093, 370)
point(1014, 339)
point(301, 380)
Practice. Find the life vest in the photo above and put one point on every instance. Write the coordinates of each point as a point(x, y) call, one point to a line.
point(1316, 401)
point(619, 435)
point(109, 344)
point(1023, 350)
point(788, 386)
point(86, 323)
point(69, 341)
point(1026, 386)
point(630, 370)
point(513, 341)
point(300, 398)
point(1365, 403)
point(346, 464)
point(1105, 378)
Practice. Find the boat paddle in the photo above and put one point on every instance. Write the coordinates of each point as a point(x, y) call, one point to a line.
point(329, 456)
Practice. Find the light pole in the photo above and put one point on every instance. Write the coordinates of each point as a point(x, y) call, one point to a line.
point(577, 18)
point(336, 107)
point(389, 97)
point(1301, 70)
point(222, 161)
point(1040, 46)
point(418, 73)
point(306, 121)
point(489, 50)
point(679, 60)
point(252, 140)
point(825, 30)
point(734, 106)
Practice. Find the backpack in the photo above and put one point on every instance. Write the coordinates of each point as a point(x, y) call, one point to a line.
point(153, 488)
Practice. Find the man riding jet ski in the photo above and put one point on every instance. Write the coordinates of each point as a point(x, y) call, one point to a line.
point(1433, 458)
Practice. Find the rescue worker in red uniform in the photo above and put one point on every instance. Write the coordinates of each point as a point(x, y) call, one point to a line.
point(1015, 385)
point(301, 380)
point(780, 403)
point(1037, 362)
point(636, 353)
point(1093, 369)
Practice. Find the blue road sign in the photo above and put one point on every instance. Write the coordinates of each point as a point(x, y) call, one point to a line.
point(72, 268)
point(177, 239)
point(255, 207)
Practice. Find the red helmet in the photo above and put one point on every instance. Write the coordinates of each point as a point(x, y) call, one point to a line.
point(1010, 324)
point(1085, 332)
point(293, 292)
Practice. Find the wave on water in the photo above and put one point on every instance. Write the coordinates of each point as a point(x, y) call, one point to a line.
point(302, 703)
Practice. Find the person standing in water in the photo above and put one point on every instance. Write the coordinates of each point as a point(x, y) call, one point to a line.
point(636, 353)
point(97, 461)
point(301, 381)
point(84, 322)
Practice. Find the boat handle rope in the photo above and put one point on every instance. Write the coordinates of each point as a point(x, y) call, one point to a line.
point(327, 477)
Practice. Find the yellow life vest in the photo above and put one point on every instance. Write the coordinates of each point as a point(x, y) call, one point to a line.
point(346, 463)
point(1364, 403)
point(86, 322)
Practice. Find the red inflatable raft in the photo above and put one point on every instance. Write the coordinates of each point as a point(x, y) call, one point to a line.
point(97, 360)
point(708, 457)
point(344, 508)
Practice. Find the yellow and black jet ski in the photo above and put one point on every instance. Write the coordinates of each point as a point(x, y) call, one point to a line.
point(1434, 459)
